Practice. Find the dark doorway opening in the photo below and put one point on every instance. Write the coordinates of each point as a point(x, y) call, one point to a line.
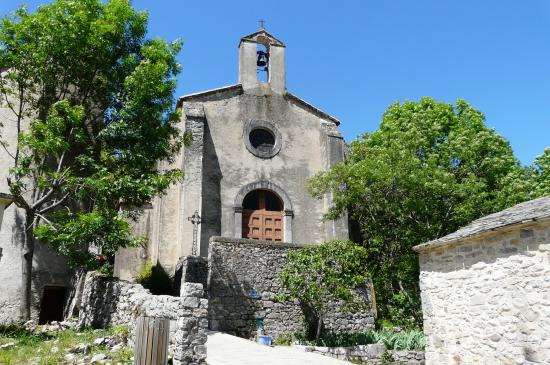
point(51, 306)
point(262, 216)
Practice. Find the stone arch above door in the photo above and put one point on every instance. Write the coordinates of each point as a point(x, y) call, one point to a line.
point(262, 185)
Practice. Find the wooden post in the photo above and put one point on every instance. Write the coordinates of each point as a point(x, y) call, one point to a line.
point(151, 345)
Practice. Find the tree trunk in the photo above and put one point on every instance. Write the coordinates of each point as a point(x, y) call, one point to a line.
point(319, 326)
point(26, 264)
point(417, 318)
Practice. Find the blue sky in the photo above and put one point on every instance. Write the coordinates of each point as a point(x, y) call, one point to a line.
point(353, 58)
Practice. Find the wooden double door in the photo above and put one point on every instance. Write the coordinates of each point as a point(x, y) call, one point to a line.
point(263, 216)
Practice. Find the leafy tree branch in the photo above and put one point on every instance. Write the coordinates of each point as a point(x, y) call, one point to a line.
point(92, 101)
point(429, 169)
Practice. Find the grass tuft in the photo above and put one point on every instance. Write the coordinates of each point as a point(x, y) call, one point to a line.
point(49, 349)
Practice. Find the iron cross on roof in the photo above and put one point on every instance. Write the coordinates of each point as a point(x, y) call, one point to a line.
point(262, 24)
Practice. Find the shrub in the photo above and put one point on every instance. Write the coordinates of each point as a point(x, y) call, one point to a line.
point(316, 274)
point(283, 341)
point(386, 358)
point(22, 335)
point(122, 331)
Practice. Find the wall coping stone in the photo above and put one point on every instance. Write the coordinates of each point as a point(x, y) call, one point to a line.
point(221, 92)
point(371, 353)
point(259, 243)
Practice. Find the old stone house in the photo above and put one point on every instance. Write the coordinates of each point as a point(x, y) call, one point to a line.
point(51, 277)
point(254, 146)
point(486, 289)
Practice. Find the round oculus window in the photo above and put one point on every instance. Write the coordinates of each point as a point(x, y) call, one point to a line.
point(262, 139)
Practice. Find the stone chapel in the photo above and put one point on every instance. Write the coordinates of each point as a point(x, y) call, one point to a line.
point(254, 146)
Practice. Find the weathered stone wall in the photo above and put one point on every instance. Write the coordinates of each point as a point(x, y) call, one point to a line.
point(242, 285)
point(373, 354)
point(486, 299)
point(218, 165)
point(108, 302)
point(191, 269)
point(48, 268)
point(310, 144)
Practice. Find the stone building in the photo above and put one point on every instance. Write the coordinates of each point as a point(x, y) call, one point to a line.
point(486, 289)
point(254, 146)
point(50, 278)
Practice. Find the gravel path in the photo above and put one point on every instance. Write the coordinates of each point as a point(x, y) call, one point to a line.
point(223, 349)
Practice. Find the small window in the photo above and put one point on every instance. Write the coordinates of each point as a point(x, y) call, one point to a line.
point(262, 140)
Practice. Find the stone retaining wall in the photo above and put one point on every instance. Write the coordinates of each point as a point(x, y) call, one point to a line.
point(374, 354)
point(191, 269)
point(242, 285)
point(109, 301)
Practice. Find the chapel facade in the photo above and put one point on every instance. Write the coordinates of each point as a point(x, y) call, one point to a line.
point(254, 147)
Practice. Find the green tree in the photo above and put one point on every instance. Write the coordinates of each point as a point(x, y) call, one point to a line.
point(92, 101)
point(319, 273)
point(429, 169)
point(528, 182)
point(540, 175)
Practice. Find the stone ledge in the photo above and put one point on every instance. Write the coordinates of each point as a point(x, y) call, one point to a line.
point(371, 353)
point(259, 243)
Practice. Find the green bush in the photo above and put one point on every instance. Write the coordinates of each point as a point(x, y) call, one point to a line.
point(317, 273)
point(107, 269)
point(22, 335)
point(283, 341)
point(387, 358)
point(122, 331)
point(406, 340)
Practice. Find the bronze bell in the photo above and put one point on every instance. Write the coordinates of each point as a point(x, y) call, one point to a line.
point(263, 57)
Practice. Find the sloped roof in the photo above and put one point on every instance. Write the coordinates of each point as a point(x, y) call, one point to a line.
point(311, 108)
point(262, 34)
point(212, 94)
point(237, 89)
point(529, 211)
